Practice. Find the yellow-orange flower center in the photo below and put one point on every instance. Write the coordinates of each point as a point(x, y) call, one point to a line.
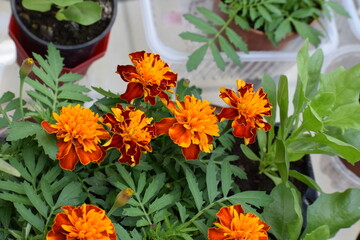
point(151, 69)
point(80, 124)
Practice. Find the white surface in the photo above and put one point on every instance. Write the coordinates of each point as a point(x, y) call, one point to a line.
point(353, 9)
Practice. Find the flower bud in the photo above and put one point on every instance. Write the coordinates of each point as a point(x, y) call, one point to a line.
point(123, 197)
point(26, 67)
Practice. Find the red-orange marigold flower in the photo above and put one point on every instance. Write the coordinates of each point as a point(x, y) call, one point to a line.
point(79, 134)
point(86, 222)
point(132, 133)
point(246, 109)
point(149, 77)
point(234, 224)
point(193, 127)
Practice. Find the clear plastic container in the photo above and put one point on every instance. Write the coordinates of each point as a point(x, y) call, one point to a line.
point(353, 8)
point(163, 24)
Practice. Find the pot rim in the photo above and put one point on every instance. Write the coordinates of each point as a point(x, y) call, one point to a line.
point(59, 46)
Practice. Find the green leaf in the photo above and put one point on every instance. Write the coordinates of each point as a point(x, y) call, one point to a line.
point(105, 93)
point(164, 201)
point(73, 88)
point(305, 179)
point(311, 120)
point(194, 187)
point(23, 171)
point(41, 74)
point(249, 153)
point(256, 198)
point(38, 97)
point(20, 130)
point(282, 30)
point(306, 31)
point(15, 198)
point(70, 77)
point(64, 3)
point(314, 69)
point(240, 21)
point(229, 50)
point(6, 97)
point(195, 37)
point(48, 143)
point(55, 62)
point(67, 95)
point(196, 57)
point(154, 187)
point(259, 22)
point(264, 13)
point(323, 103)
point(182, 212)
point(121, 232)
point(284, 213)
point(11, 186)
point(283, 103)
point(37, 5)
point(46, 192)
point(253, 13)
point(336, 210)
point(211, 181)
point(211, 16)
point(7, 168)
point(273, 8)
point(269, 87)
point(220, 63)
point(226, 177)
point(338, 8)
point(84, 13)
point(35, 200)
point(133, 212)
point(345, 117)
point(34, 220)
point(236, 40)
point(141, 183)
point(320, 233)
point(39, 87)
point(201, 24)
point(70, 195)
point(125, 175)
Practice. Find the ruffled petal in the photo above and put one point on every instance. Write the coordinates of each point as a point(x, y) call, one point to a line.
point(47, 127)
point(133, 91)
point(192, 152)
point(163, 126)
point(69, 160)
point(216, 234)
point(180, 135)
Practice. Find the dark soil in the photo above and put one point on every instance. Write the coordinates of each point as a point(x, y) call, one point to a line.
point(48, 28)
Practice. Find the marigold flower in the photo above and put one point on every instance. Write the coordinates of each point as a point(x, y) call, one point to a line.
point(86, 222)
point(246, 109)
point(234, 224)
point(192, 128)
point(79, 134)
point(149, 77)
point(132, 133)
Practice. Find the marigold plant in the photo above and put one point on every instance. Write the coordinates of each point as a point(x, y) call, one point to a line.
point(78, 133)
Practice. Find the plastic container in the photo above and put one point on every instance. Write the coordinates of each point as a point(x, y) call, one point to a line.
point(163, 25)
point(346, 56)
point(353, 8)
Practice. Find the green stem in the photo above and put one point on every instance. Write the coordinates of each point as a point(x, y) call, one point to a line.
point(22, 80)
point(48, 221)
point(143, 208)
point(2, 111)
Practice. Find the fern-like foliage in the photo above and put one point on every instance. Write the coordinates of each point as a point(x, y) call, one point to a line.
point(276, 18)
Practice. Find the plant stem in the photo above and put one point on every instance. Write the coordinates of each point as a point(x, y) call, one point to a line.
point(143, 208)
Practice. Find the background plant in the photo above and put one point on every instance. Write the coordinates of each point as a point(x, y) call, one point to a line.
point(276, 18)
point(80, 11)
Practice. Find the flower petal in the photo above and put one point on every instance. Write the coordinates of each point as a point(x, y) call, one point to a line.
point(192, 152)
point(68, 161)
point(216, 234)
point(163, 126)
point(180, 135)
point(133, 91)
point(47, 127)
point(87, 157)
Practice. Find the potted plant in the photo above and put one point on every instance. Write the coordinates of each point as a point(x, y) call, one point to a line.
point(234, 25)
point(146, 165)
point(79, 29)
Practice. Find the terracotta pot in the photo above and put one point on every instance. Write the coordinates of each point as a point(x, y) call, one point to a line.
point(77, 58)
point(256, 40)
point(354, 168)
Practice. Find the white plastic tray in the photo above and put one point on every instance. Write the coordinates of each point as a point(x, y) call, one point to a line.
point(353, 8)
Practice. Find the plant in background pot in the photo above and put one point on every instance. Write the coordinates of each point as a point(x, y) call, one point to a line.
point(258, 25)
point(148, 164)
point(79, 29)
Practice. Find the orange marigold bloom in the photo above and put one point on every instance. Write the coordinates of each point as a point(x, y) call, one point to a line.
point(79, 134)
point(132, 133)
point(149, 77)
point(234, 224)
point(86, 222)
point(192, 128)
point(246, 109)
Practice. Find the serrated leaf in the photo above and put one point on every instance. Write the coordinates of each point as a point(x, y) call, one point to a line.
point(70, 77)
point(121, 232)
point(154, 187)
point(194, 187)
point(142, 223)
point(306, 31)
point(236, 40)
point(125, 175)
point(20, 130)
point(41, 74)
point(211, 16)
point(195, 37)
point(229, 50)
point(240, 21)
point(226, 177)
point(249, 153)
point(34, 220)
point(38, 97)
point(11, 186)
point(220, 63)
point(273, 8)
point(48, 143)
point(39, 87)
point(35, 200)
point(105, 93)
point(141, 183)
point(200, 24)
point(258, 23)
point(15, 198)
point(182, 212)
point(73, 88)
point(282, 30)
point(264, 13)
point(253, 13)
point(74, 96)
point(23, 171)
point(133, 212)
point(338, 8)
point(162, 202)
point(46, 192)
point(240, 173)
point(211, 181)
point(69, 195)
point(196, 57)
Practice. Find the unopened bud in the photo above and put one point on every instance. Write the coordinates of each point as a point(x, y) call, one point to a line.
point(26, 67)
point(123, 197)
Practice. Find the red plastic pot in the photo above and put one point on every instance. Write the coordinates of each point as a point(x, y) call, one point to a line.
point(77, 58)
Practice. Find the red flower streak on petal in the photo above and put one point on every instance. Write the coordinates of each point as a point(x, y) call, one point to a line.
point(149, 77)
point(234, 224)
point(132, 133)
point(192, 128)
point(78, 133)
point(247, 110)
